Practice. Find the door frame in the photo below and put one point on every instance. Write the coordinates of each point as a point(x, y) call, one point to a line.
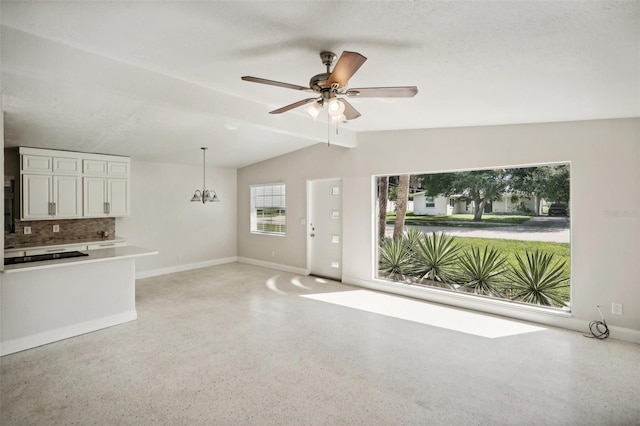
point(308, 220)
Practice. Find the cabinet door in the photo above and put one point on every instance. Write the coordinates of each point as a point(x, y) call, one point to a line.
point(67, 196)
point(95, 197)
point(36, 163)
point(118, 169)
point(118, 197)
point(36, 196)
point(94, 167)
point(66, 166)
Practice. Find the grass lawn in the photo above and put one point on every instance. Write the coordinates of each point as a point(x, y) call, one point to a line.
point(462, 220)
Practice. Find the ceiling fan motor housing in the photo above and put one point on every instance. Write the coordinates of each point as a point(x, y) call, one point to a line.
point(319, 82)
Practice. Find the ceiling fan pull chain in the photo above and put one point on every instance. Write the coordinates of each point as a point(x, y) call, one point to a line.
point(328, 129)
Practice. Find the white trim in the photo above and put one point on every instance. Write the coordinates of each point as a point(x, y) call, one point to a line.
point(186, 267)
point(276, 266)
point(556, 319)
point(50, 336)
point(72, 154)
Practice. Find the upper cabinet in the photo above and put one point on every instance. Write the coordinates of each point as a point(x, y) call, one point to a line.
point(64, 185)
point(47, 164)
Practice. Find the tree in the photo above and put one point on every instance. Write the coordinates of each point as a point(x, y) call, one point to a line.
point(401, 205)
point(558, 183)
point(478, 186)
point(549, 182)
point(383, 191)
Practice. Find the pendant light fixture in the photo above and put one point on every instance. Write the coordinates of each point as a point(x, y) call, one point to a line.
point(204, 195)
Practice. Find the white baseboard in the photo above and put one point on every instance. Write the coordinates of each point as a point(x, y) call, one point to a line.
point(276, 266)
point(525, 313)
point(28, 342)
point(185, 267)
point(626, 334)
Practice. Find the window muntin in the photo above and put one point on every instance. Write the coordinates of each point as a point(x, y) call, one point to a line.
point(268, 209)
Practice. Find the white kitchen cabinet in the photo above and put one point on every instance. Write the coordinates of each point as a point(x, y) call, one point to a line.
point(106, 244)
point(47, 250)
point(94, 167)
point(50, 196)
point(106, 197)
point(36, 196)
point(36, 163)
point(118, 169)
point(48, 164)
point(66, 166)
point(105, 168)
point(65, 184)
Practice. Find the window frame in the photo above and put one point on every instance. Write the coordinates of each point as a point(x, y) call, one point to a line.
point(278, 196)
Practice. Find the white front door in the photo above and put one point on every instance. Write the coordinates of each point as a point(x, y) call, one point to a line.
point(324, 227)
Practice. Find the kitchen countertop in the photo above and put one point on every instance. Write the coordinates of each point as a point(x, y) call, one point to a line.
point(98, 255)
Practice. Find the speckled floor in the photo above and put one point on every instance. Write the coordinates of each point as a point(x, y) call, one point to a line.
point(236, 345)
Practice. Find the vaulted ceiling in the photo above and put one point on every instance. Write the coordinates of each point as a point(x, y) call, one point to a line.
point(158, 80)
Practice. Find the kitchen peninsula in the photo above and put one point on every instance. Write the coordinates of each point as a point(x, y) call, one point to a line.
point(62, 206)
point(47, 301)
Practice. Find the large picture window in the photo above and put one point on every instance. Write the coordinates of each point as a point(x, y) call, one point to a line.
point(500, 233)
point(268, 209)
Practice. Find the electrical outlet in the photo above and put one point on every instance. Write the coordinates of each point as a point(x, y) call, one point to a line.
point(616, 308)
point(27, 230)
point(56, 228)
point(273, 254)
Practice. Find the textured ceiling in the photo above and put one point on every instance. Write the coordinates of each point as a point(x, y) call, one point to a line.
point(157, 80)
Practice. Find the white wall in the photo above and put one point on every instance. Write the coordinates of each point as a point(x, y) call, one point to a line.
point(162, 218)
point(605, 159)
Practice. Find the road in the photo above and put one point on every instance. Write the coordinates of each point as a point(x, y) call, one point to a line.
point(543, 228)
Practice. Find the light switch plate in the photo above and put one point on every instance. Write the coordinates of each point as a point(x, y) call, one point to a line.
point(27, 230)
point(56, 228)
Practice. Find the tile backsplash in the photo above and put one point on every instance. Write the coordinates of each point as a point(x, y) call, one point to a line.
point(71, 231)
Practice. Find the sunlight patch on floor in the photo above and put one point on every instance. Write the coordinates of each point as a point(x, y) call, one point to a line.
point(427, 313)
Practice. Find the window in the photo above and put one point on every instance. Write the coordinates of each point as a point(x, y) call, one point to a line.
point(268, 209)
point(480, 248)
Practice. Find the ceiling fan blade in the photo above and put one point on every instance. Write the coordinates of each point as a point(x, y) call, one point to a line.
point(292, 106)
point(346, 66)
point(276, 83)
point(349, 111)
point(383, 92)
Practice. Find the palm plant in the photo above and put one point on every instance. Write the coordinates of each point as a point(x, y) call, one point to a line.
point(482, 272)
point(411, 237)
point(436, 257)
point(538, 280)
point(395, 259)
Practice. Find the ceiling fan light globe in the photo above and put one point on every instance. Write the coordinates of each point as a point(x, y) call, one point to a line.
point(336, 108)
point(340, 119)
point(314, 110)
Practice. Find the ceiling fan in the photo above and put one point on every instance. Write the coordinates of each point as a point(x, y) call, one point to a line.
point(330, 87)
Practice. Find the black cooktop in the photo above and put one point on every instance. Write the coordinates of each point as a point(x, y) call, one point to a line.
point(40, 257)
